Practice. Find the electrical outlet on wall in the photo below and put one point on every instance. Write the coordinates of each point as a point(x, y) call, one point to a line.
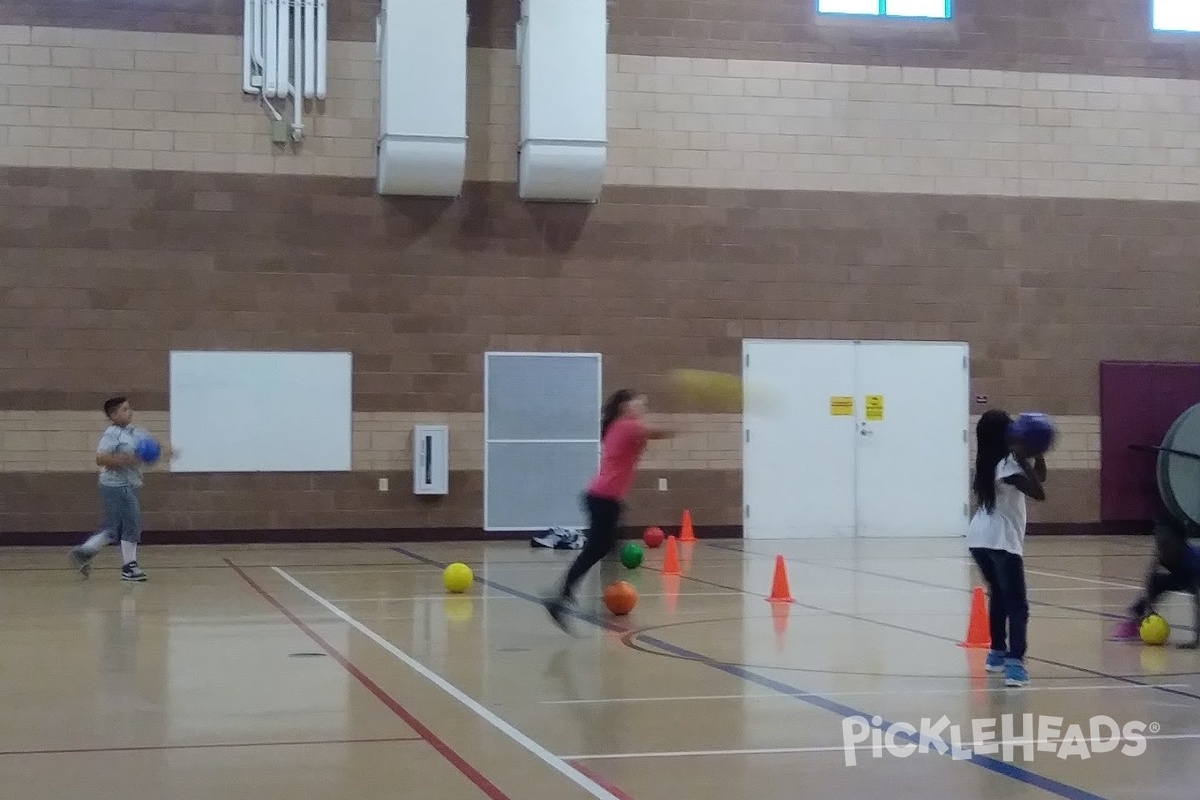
point(383, 484)
point(662, 484)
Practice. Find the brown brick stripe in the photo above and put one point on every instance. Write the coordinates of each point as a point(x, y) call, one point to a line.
point(103, 272)
point(38, 508)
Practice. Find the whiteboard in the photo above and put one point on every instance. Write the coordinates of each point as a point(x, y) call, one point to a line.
point(260, 412)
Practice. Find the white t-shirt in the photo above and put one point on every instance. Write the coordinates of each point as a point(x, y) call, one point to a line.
point(117, 439)
point(1004, 527)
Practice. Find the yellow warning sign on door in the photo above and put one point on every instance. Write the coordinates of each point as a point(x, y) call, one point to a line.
point(874, 406)
point(841, 406)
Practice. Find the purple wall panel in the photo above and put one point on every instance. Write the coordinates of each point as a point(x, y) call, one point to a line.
point(1138, 402)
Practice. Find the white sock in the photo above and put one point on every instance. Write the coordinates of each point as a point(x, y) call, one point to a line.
point(95, 542)
point(128, 552)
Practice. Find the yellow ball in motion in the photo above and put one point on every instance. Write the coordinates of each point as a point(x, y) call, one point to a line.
point(1155, 630)
point(457, 578)
point(707, 388)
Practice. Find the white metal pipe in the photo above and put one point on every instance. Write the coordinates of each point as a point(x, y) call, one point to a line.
point(322, 37)
point(256, 55)
point(310, 48)
point(271, 47)
point(284, 23)
point(247, 44)
point(297, 69)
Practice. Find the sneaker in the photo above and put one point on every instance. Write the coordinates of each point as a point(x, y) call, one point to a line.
point(556, 607)
point(1126, 631)
point(559, 539)
point(995, 661)
point(1015, 674)
point(81, 561)
point(549, 539)
point(132, 572)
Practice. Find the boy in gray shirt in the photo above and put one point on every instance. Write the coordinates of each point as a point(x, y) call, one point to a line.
point(120, 480)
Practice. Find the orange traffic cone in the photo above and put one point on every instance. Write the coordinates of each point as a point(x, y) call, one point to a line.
point(686, 534)
point(780, 591)
point(978, 631)
point(671, 559)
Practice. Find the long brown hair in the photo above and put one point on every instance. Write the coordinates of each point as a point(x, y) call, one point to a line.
point(613, 407)
point(991, 441)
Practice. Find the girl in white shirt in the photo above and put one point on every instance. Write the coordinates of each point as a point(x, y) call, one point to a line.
point(1004, 477)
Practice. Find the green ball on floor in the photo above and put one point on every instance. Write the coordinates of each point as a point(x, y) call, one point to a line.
point(631, 555)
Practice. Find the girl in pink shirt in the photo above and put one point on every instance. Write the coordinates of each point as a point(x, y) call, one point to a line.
point(623, 438)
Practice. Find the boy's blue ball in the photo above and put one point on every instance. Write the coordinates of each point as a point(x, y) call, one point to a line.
point(147, 450)
point(1035, 431)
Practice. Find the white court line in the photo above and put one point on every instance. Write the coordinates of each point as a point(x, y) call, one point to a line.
point(551, 760)
point(796, 592)
point(1082, 580)
point(894, 692)
point(837, 748)
point(358, 570)
point(492, 597)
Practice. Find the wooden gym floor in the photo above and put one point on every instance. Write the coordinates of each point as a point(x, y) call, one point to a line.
point(265, 672)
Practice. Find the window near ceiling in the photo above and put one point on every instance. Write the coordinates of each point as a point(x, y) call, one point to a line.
point(930, 9)
point(1175, 15)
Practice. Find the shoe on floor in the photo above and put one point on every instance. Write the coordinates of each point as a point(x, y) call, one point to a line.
point(132, 572)
point(995, 661)
point(1015, 674)
point(1127, 630)
point(80, 561)
point(556, 607)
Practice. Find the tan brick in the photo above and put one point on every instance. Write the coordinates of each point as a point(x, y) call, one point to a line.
point(66, 137)
point(29, 55)
point(70, 57)
point(29, 136)
point(91, 158)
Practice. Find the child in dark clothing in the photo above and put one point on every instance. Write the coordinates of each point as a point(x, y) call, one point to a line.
point(1176, 568)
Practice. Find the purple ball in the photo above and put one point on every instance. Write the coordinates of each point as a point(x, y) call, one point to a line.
point(1034, 431)
point(147, 450)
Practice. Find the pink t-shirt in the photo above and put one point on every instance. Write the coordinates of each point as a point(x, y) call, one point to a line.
point(619, 453)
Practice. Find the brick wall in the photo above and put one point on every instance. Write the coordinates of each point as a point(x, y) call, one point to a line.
point(1022, 178)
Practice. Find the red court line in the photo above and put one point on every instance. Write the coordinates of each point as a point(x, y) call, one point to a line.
point(475, 776)
point(205, 746)
point(616, 792)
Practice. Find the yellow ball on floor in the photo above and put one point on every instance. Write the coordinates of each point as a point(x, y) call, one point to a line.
point(1155, 630)
point(457, 578)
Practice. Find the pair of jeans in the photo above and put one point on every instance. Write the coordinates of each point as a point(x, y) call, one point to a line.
point(603, 514)
point(122, 513)
point(1008, 602)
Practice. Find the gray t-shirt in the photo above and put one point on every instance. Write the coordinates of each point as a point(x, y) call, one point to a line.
point(117, 439)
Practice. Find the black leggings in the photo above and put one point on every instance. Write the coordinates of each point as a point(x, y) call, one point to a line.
point(1158, 583)
point(1008, 604)
point(603, 514)
point(1174, 570)
point(1162, 579)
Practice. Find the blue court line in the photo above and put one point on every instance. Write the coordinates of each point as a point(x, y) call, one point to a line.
point(1038, 659)
point(915, 581)
point(986, 762)
point(884, 624)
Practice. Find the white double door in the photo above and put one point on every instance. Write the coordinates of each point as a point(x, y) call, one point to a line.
point(845, 439)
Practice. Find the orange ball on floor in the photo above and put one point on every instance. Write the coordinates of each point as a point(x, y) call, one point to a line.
point(620, 598)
